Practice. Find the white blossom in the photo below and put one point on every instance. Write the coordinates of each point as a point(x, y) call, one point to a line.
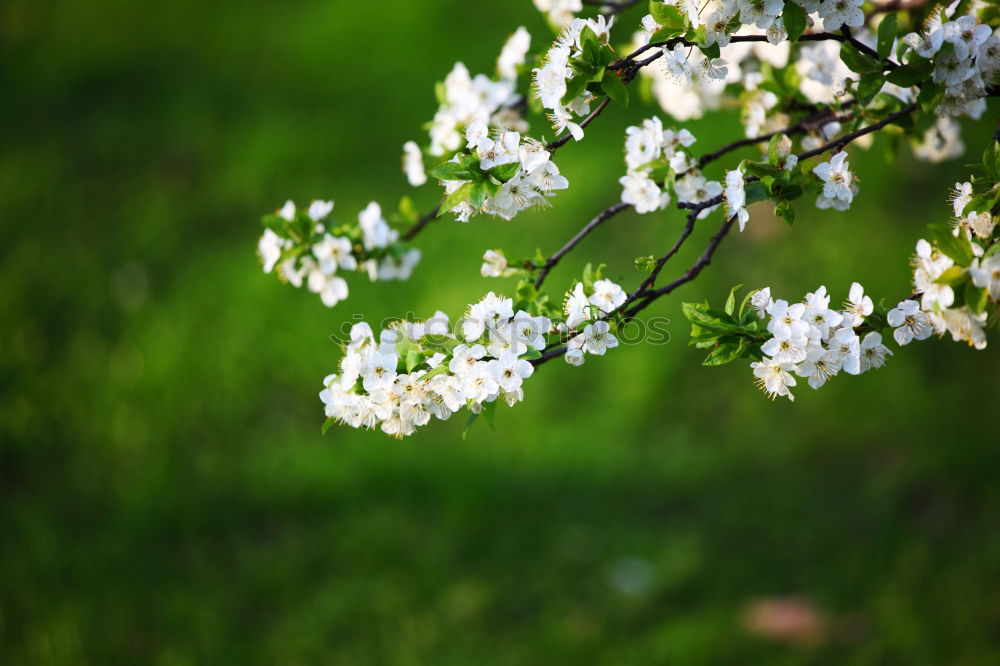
point(639, 190)
point(413, 164)
point(494, 263)
point(735, 197)
point(909, 322)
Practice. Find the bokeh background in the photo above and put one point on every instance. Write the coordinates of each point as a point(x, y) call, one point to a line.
point(167, 497)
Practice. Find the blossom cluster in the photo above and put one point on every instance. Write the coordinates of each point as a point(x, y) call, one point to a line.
point(816, 342)
point(590, 306)
point(791, 74)
point(501, 174)
point(957, 273)
point(416, 370)
point(839, 187)
point(955, 54)
point(465, 99)
point(576, 59)
point(652, 153)
point(964, 55)
point(306, 247)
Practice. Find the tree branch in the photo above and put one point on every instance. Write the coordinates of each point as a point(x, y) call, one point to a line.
point(601, 217)
point(643, 296)
point(418, 226)
point(847, 138)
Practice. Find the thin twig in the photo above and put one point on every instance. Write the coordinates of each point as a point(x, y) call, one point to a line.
point(418, 226)
point(601, 217)
point(643, 297)
point(868, 129)
point(561, 141)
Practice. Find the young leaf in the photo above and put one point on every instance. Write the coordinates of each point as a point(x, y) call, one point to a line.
point(468, 424)
point(731, 301)
point(930, 96)
point(668, 16)
point(505, 172)
point(785, 211)
point(957, 249)
point(615, 88)
point(531, 354)
point(855, 60)
point(455, 198)
point(480, 192)
point(976, 297)
point(869, 86)
point(911, 73)
point(755, 192)
point(439, 343)
point(450, 171)
point(953, 276)
point(727, 352)
point(886, 35)
point(489, 409)
point(434, 372)
point(712, 51)
point(990, 159)
point(795, 20)
point(575, 86)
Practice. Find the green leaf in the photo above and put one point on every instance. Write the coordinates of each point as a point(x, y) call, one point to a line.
point(667, 16)
point(976, 297)
point(990, 159)
point(434, 372)
point(855, 60)
point(451, 171)
point(794, 19)
point(772, 149)
point(785, 211)
point(531, 354)
point(726, 353)
point(930, 96)
point(468, 424)
point(575, 86)
point(645, 264)
point(273, 222)
point(762, 169)
point(869, 86)
point(910, 74)
point(614, 88)
point(590, 276)
point(455, 198)
point(956, 248)
point(886, 36)
point(712, 51)
point(731, 301)
point(330, 421)
point(755, 192)
point(489, 409)
point(745, 302)
point(480, 193)
point(665, 34)
point(953, 277)
point(588, 37)
point(504, 172)
point(407, 210)
point(438, 343)
point(414, 358)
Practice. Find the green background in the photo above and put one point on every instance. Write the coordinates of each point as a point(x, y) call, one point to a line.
point(167, 497)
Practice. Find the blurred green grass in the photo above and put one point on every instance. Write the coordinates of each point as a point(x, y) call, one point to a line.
point(168, 498)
